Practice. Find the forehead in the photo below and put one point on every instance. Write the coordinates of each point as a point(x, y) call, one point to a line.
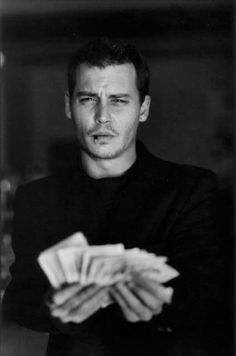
point(122, 76)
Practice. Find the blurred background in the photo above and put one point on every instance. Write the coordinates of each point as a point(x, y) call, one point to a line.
point(189, 46)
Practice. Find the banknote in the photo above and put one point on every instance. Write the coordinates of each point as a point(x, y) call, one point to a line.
point(73, 260)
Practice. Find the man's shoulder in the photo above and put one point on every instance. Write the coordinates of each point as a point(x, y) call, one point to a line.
point(180, 170)
point(182, 185)
point(177, 173)
point(184, 179)
point(49, 185)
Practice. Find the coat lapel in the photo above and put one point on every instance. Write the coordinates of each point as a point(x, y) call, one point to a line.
point(79, 210)
point(139, 204)
point(136, 204)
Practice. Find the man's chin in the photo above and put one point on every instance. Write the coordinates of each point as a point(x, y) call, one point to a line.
point(104, 152)
point(104, 155)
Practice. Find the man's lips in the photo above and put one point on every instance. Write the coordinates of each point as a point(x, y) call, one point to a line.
point(102, 134)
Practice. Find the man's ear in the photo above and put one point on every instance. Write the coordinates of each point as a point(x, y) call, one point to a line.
point(144, 110)
point(67, 105)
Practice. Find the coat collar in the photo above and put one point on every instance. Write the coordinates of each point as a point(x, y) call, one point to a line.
point(146, 175)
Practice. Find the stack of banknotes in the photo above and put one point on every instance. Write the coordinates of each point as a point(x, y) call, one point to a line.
point(74, 261)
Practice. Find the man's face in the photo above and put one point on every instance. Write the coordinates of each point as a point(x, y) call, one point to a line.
point(106, 110)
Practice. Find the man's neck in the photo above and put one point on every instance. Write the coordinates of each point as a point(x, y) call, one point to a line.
point(105, 168)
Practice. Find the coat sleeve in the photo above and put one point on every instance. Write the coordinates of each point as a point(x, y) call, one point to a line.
point(22, 300)
point(195, 249)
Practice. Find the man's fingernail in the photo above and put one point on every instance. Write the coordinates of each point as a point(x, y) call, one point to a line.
point(131, 284)
point(55, 313)
point(56, 300)
point(65, 320)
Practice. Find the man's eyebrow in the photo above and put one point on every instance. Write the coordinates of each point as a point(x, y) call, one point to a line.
point(120, 95)
point(112, 96)
point(85, 93)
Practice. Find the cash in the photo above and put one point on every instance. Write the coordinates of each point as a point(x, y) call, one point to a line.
point(74, 261)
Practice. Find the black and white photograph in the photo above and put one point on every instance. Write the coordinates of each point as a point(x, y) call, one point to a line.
point(117, 177)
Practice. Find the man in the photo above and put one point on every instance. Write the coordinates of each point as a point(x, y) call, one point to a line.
point(119, 192)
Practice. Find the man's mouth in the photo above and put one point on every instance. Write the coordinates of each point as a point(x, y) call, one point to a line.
point(103, 135)
point(100, 137)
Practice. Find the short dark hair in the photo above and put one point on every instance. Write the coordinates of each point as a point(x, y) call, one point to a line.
point(103, 52)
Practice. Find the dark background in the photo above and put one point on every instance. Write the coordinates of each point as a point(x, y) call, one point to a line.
point(189, 46)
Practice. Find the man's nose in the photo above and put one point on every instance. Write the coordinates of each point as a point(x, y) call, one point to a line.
point(102, 113)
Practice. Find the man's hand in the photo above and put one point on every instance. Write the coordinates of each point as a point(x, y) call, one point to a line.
point(75, 303)
point(140, 300)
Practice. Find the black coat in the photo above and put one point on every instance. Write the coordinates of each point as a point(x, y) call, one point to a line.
point(163, 207)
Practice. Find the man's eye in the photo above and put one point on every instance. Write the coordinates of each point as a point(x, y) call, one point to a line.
point(119, 101)
point(87, 99)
